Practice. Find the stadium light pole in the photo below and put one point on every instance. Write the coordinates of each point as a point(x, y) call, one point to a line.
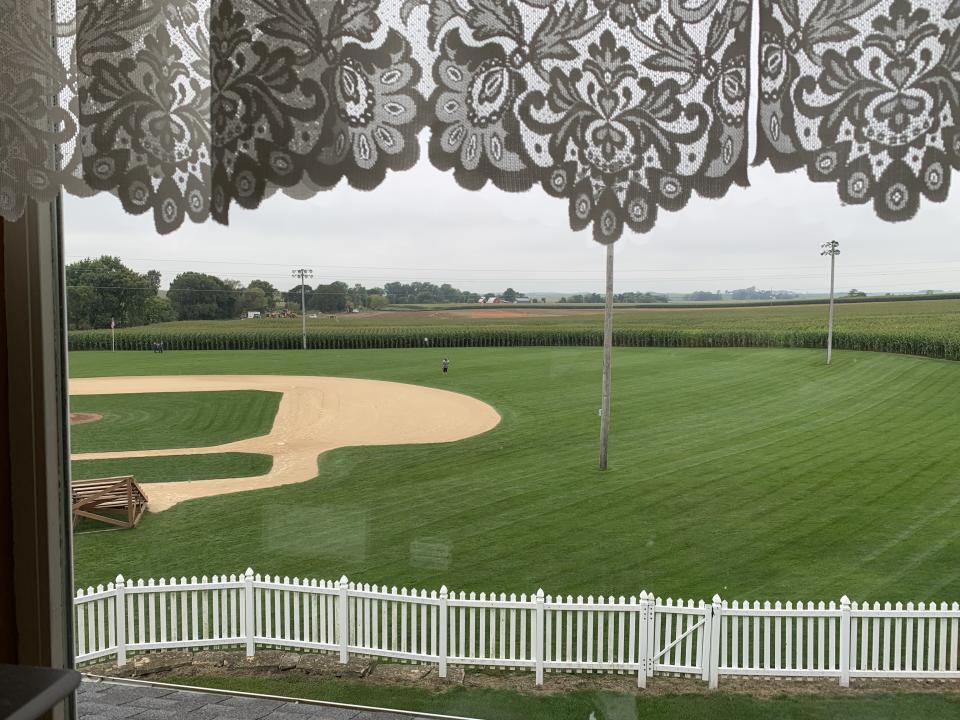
point(832, 249)
point(303, 274)
point(607, 357)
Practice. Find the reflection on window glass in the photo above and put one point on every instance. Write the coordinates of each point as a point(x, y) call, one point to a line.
point(349, 450)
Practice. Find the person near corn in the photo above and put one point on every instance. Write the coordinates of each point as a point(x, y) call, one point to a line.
point(445, 365)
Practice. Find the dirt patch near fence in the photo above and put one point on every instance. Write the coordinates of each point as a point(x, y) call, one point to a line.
point(316, 414)
point(183, 665)
point(80, 418)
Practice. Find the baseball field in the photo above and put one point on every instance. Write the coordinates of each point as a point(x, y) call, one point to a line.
point(753, 473)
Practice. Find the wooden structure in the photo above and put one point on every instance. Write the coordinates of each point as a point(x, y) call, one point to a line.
point(120, 496)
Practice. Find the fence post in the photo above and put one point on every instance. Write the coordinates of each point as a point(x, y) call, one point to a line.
point(120, 617)
point(844, 641)
point(642, 642)
point(651, 633)
point(715, 624)
point(343, 621)
point(248, 611)
point(707, 635)
point(444, 620)
point(538, 637)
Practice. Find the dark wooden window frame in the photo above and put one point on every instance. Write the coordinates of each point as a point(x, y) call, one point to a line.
point(36, 573)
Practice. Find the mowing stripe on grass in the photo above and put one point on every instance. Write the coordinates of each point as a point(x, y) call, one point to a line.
point(175, 468)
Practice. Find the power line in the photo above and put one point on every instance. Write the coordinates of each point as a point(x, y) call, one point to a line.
point(897, 267)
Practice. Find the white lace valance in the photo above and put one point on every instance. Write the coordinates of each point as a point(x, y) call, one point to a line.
point(864, 94)
point(623, 109)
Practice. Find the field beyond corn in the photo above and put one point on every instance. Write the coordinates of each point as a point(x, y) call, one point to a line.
point(916, 327)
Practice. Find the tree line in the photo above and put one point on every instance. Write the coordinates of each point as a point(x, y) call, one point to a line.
point(104, 290)
point(624, 297)
point(750, 293)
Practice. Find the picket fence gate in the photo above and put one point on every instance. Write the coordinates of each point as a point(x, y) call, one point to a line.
point(641, 634)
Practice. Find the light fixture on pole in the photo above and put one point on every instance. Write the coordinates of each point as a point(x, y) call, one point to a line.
point(832, 249)
point(302, 274)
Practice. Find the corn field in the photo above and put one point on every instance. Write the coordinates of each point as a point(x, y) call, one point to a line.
point(926, 328)
point(910, 344)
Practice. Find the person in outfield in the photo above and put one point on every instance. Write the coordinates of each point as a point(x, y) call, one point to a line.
point(445, 365)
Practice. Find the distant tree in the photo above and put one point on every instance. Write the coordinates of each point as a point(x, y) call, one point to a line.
point(330, 298)
point(99, 289)
point(357, 296)
point(510, 295)
point(158, 309)
point(153, 276)
point(253, 299)
point(637, 297)
point(377, 302)
point(293, 297)
point(701, 295)
point(426, 292)
point(856, 293)
point(198, 296)
point(270, 293)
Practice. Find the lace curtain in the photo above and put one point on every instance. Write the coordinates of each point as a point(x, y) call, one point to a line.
point(864, 94)
point(621, 108)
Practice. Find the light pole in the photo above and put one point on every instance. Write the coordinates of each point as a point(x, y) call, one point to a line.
point(832, 249)
point(607, 356)
point(302, 274)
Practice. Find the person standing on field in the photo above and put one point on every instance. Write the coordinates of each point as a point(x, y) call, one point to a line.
point(445, 365)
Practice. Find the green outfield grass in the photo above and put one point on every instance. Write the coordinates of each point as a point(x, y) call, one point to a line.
point(749, 473)
point(917, 327)
point(504, 705)
point(175, 468)
point(154, 421)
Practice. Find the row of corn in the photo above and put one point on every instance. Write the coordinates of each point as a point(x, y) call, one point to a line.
point(913, 343)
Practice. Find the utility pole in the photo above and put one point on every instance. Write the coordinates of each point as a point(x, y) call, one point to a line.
point(607, 357)
point(303, 274)
point(832, 249)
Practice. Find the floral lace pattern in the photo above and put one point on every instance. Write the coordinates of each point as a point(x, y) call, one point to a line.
point(32, 123)
point(183, 107)
point(145, 105)
point(865, 94)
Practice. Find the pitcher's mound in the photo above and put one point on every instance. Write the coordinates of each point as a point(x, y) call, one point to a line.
point(79, 418)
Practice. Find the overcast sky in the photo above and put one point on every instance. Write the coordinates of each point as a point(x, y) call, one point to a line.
point(419, 225)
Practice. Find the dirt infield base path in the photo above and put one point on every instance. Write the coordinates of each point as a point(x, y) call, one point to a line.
point(316, 414)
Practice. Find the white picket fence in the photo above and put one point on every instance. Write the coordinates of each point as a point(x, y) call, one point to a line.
point(643, 634)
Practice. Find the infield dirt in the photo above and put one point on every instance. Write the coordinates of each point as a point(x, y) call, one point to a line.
point(316, 414)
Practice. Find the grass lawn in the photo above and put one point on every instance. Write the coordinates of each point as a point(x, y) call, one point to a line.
point(503, 705)
point(175, 468)
point(153, 421)
point(749, 473)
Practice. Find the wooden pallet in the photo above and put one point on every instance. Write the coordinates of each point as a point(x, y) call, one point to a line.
point(121, 496)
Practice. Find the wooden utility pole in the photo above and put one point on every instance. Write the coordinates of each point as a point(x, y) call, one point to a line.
point(832, 249)
point(607, 357)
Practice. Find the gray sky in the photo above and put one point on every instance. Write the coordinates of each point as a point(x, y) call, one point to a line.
point(419, 225)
